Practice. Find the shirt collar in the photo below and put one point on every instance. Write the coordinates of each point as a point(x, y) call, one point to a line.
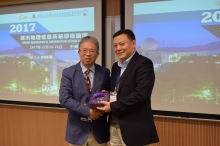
point(125, 63)
point(84, 68)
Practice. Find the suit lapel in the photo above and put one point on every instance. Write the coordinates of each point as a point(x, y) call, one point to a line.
point(96, 78)
point(128, 70)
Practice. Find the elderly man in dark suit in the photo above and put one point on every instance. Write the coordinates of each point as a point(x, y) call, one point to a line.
point(132, 81)
point(85, 126)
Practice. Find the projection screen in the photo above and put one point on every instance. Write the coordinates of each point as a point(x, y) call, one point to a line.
point(38, 41)
point(182, 38)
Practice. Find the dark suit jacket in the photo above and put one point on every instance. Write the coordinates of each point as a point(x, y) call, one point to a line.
point(133, 105)
point(74, 95)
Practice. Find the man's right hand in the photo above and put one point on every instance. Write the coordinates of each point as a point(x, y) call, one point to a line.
point(95, 114)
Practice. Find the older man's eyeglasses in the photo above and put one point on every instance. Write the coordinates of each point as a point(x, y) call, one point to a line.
point(84, 51)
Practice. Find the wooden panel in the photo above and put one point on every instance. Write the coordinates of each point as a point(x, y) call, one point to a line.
point(16, 2)
point(112, 7)
point(187, 132)
point(5, 1)
point(26, 126)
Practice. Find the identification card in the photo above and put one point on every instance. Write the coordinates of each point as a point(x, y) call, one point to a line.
point(113, 96)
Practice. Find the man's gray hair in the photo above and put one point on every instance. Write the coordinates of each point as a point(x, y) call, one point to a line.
point(89, 39)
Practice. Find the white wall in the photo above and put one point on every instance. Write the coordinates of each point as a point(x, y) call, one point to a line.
point(112, 25)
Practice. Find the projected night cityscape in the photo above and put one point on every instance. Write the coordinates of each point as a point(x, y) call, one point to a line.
point(36, 46)
point(184, 45)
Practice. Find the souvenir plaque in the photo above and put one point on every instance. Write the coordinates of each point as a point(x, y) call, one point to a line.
point(97, 98)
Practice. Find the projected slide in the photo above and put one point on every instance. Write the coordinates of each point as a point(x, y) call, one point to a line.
point(182, 38)
point(36, 46)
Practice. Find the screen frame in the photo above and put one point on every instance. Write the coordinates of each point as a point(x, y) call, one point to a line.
point(127, 24)
point(102, 47)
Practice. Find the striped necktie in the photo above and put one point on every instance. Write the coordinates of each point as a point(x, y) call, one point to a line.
point(88, 83)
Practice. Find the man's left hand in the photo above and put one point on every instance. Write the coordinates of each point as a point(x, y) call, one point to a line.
point(106, 108)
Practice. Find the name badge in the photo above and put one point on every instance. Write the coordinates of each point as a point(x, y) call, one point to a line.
point(113, 96)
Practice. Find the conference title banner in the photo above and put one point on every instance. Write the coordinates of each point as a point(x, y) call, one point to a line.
point(47, 30)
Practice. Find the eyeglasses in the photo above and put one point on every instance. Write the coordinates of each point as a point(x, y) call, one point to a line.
point(84, 51)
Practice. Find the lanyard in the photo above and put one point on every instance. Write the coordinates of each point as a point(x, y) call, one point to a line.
point(118, 77)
